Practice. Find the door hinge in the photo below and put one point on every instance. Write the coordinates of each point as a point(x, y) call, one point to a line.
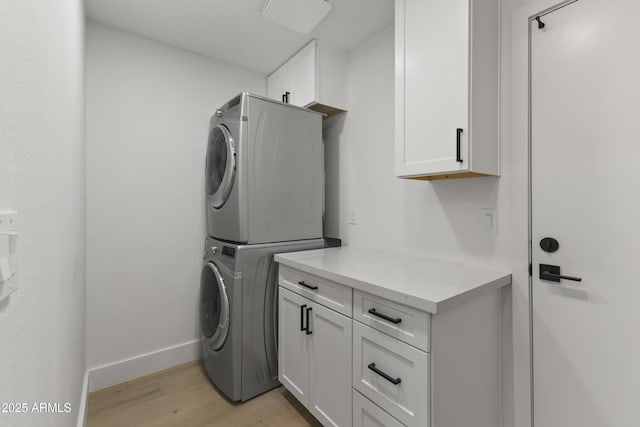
point(530, 269)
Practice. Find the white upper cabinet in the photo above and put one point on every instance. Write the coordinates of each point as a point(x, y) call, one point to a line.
point(315, 77)
point(446, 88)
point(278, 84)
point(303, 76)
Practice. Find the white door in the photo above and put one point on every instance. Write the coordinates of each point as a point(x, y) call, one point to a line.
point(330, 367)
point(585, 157)
point(293, 344)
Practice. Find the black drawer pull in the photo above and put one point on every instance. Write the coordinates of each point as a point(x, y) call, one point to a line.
point(312, 287)
point(302, 328)
point(394, 381)
point(309, 331)
point(384, 316)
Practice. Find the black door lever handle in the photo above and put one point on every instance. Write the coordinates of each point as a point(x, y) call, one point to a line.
point(552, 273)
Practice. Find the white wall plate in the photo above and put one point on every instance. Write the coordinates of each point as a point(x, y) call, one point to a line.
point(8, 258)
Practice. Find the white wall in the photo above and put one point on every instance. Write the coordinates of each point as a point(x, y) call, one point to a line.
point(42, 175)
point(438, 219)
point(148, 109)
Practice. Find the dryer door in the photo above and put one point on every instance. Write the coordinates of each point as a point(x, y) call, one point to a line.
point(221, 165)
point(214, 307)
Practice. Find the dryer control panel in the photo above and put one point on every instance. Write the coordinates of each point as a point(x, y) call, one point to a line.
point(229, 251)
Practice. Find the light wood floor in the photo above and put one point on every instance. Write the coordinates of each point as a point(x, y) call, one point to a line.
point(184, 396)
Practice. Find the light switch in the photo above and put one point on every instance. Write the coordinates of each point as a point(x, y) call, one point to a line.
point(5, 269)
point(8, 253)
point(489, 220)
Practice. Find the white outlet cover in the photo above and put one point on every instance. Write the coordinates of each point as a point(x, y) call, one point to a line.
point(301, 16)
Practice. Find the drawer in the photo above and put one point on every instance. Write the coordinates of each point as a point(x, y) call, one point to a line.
point(408, 400)
point(405, 323)
point(330, 294)
point(368, 414)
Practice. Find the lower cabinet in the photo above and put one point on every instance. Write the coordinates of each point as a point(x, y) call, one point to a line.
point(368, 361)
point(367, 414)
point(314, 357)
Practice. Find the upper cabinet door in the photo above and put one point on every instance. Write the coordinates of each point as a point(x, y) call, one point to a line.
point(437, 132)
point(302, 72)
point(436, 65)
point(277, 83)
point(315, 77)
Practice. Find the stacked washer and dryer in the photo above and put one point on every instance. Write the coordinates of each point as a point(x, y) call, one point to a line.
point(265, 194)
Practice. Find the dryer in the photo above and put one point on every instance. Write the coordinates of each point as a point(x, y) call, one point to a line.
point(238, 314)
point(264, 172)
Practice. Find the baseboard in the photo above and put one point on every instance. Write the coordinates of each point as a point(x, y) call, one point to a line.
point(144, 364)
point(83, 406)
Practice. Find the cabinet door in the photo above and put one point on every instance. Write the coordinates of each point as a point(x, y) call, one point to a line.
point(278, 82)
point(293, 345)
point(330, 367)
point(368, 414)
point(432, 89)
point(302, 73)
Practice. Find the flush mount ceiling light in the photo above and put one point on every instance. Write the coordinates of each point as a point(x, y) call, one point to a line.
point(297, 15)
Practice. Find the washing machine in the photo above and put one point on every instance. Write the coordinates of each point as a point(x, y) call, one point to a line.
point(238, 314)
point(264, 172)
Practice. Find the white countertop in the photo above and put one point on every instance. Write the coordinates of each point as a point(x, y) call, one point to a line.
point(422, 283)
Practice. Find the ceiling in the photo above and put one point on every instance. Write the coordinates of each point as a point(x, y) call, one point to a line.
point(233, 31)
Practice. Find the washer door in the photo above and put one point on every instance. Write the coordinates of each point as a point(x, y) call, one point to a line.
point(214, 307)
point(221, 165)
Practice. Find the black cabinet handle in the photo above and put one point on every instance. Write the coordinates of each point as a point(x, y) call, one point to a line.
point(302, 307)
point(459, 145)
point(384, 316)
point(312, 287)
point(285, 97)
point(394, 381)
point(309, 332)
